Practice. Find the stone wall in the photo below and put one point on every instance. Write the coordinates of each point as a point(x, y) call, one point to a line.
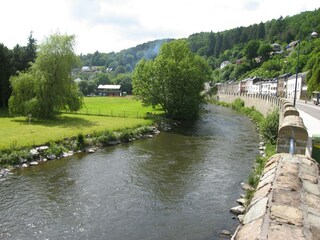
point(262, 103)
point(286, 202)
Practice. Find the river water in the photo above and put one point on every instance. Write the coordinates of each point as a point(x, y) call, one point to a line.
point(178, 185)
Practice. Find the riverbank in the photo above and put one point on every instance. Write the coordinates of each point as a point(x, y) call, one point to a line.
point(32, 156)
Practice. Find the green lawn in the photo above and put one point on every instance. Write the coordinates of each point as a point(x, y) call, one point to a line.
point(18, 132)
point(115, 106)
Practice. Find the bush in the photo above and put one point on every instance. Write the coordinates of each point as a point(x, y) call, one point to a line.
point(269, 127)
point(56, 149)
point(80, 141)
point(238, 104)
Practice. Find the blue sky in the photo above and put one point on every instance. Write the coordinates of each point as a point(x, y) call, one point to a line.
point(113, 25)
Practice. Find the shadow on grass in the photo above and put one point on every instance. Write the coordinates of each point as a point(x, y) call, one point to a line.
point(59, 121)
point(4, 113)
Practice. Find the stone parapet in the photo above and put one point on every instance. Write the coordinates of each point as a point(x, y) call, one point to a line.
point(263, 103)
point(286, 202)
point(292, 127)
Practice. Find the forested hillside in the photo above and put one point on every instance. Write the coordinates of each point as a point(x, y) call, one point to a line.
point(261, 49)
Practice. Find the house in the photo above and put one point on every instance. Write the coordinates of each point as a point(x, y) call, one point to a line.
point(85, 69)
point(269, 87)
point(273, 87)
point(224, 64)
point(301, 92)
point(77, 80)
point(253, 85)
point(292, 45)
point(282, 85)
point(265, 88)
point(109, 90)
point(276, 47)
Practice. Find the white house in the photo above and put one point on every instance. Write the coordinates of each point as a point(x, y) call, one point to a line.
point(301, 86)
point(269, 88)
point(253, 85)
point(85, 69)
point(224, 64)
point(274, 87)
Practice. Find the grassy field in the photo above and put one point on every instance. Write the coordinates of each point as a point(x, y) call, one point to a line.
point(19, 132)
point(115, 106)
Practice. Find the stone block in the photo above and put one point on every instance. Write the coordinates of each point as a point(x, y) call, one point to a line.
point(270, 169)
point(315, 232)
point(250, 231)
point(311, 188)
point(312, 200)
point(283, 197)
point(261, 193)
point(288, 182)
point(284, 232)
point(313, 220)
point(266, 181)
point(273, 159)
point(286, 214)
point(309, 177)
point(309, 169)
point(307, 161)
point(289, 168)
point(256, 211)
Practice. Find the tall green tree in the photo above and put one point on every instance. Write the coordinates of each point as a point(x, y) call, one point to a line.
point(47, 86)
point(173, 80)
point(5, 71)
point(251, 49)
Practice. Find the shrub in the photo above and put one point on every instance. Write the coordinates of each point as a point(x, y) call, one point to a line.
point(56, 149)
point(80, 141)
point(238, 104)
point(269, 127)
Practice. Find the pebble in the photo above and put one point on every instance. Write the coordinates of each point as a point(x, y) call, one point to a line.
point(91, 150)
point(237, 210)
point(241, 201)
point(225, 233)
point(24, 165)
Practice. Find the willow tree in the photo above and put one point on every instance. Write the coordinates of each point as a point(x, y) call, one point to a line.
point(174, 80)
point(47, 87)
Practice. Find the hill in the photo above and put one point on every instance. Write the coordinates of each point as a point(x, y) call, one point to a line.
point(262, 49)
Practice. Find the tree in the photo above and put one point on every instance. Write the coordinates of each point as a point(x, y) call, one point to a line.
point(46, 87)
point(5, 69)
point(251, 50)
point(173, 80)
point(264, 51)
point(314, 74)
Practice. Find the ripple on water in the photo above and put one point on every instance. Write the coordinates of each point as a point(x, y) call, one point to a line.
point(180, 184)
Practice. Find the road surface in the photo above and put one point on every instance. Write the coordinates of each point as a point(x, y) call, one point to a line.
point(310, 114)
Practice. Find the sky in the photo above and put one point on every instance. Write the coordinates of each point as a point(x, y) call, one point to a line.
point(114, 25)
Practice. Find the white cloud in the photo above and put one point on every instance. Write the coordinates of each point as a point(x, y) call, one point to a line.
point(113, 25)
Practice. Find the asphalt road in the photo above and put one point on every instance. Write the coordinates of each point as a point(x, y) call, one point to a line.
point(309, 108)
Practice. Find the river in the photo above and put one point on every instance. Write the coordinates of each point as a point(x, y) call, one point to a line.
point(178, 185)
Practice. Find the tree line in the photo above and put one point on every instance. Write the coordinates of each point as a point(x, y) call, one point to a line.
point(13, 61)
